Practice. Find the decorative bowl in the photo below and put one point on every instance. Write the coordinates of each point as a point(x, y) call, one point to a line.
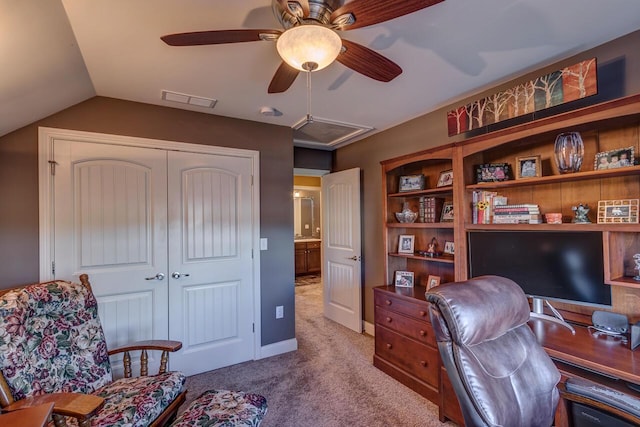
point(553, 218)
point(406, 216)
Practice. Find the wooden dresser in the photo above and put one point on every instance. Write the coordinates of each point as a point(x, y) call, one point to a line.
point(405, 347)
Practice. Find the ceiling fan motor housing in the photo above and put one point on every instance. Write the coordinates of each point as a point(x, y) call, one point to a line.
point(319, 12)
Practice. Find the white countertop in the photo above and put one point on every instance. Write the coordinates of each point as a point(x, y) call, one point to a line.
point(307, 240)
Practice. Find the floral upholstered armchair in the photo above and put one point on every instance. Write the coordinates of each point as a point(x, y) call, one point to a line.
point(52, 349)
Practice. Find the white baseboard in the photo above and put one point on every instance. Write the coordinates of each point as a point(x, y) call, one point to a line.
point(369, 329)
point(278, 348)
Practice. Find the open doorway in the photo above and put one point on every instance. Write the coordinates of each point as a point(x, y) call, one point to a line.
point(307, 229)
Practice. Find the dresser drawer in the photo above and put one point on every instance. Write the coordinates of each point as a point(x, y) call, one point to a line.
point(414, 358)
point(391, 302)
point(419, 330)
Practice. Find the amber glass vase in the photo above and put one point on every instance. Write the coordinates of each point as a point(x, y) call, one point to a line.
point(569, 151)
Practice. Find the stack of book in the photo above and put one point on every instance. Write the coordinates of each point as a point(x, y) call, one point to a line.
point(517, 214)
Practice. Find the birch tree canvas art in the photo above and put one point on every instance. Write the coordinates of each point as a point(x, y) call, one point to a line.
point(568, 84)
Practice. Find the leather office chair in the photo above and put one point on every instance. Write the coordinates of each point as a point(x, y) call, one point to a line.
point(501, 375)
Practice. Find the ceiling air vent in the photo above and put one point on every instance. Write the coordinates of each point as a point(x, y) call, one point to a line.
point(182, 98)
point(325, 134)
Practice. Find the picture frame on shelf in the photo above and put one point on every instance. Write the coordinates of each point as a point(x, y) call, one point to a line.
point(406, 244)
point(614, 159)
point(445, 179)
point(493, 172)
point(411, 183)
point(447, 212)
point(404, 279)
point(449, 248)
point(622, 211)
point(432, 281)
point(528, 167)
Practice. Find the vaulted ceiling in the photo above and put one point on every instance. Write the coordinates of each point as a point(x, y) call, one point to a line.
point(56, 53)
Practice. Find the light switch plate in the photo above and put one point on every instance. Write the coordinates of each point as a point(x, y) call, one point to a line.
point(264, 244)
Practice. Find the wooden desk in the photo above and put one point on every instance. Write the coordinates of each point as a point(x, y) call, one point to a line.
point(604, 355)
point(593, 356)
point(36, 416)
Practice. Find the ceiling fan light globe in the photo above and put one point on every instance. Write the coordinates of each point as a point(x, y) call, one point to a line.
point(309, 44)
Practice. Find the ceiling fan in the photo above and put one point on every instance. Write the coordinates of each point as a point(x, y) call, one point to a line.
point(309, 27)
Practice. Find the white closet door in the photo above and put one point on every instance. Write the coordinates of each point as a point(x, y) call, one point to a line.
point(111, 222)
point(210, 259)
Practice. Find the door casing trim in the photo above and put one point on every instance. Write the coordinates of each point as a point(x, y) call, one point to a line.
point(46, 138)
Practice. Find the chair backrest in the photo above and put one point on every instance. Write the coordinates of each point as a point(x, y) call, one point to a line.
point(51, 340)
point(501, 375)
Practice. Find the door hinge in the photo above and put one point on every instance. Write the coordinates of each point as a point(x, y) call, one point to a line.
point(251, 253)
point(52, 166)
point(253, 327)
point(252, 180)
point(53, 268)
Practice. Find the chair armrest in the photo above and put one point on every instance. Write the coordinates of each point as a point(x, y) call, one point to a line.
point(77, 405)
point(165, 346)
point(162, 345)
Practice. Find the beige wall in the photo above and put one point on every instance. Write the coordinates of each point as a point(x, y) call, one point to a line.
point(618, 75)
point(19, 187)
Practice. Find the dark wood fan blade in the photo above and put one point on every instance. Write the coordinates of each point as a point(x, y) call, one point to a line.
point(304, 4)
point(368, 62)
point(215, 37)
point(367, 12)
point(283, 78)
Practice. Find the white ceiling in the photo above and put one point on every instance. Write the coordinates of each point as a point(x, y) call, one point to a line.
point(56, 53)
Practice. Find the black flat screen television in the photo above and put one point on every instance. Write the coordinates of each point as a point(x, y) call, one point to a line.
point(565, 266)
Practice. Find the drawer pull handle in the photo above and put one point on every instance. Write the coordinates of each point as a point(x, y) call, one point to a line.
point(388, 302)
point(423, 313)
point(423, 334)
point(389, 319)
point(389, 346)
point(424, 364)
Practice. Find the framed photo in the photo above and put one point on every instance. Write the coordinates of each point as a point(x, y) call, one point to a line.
point(411, 183)
point(624, 211)
point(492, 172)
point(433, 281)
point(445, 178)
point(528, 167)
point(449, 248)
point(404, 279)
point(447, 212)
point(405, 244)
point(614, 159)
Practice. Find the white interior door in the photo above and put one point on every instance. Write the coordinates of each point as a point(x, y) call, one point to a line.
point(342, 248)
point(210, 255)
point(111, 223)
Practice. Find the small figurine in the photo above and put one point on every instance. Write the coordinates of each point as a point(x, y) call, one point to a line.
point(432, 247)
point(581, 212)
point(636, 259)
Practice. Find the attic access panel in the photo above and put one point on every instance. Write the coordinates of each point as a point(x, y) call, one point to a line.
point(325, 133)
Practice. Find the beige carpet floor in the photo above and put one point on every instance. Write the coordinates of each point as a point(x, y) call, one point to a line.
point(330, 381)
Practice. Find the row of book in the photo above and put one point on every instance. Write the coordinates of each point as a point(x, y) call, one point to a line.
point(430, 209)
point(483, 205)
point(491, 208)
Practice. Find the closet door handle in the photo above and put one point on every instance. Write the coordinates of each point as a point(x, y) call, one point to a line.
point(159, 276)
point(177, 275)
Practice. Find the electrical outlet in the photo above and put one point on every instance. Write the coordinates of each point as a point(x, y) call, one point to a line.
point(279, 312)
